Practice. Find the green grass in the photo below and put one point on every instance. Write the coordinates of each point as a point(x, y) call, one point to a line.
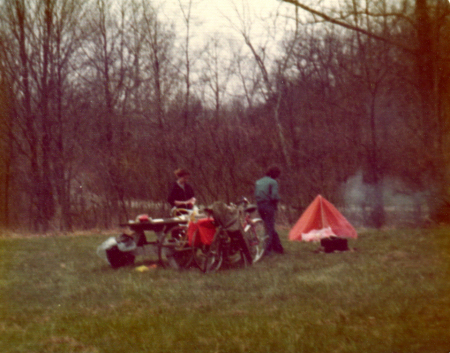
point(390, 295)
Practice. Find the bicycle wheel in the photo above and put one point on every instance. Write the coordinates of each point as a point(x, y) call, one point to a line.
point(174, 249)
point(199, 251)
point(176, 212)
point(214, 256)
point(257, 238)
point(234, 257)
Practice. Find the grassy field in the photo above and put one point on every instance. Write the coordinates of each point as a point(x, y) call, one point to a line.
point(392, 294)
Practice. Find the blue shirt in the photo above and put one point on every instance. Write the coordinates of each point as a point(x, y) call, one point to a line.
point(266, 190)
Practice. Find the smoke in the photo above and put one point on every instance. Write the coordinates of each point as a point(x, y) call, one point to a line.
point(389, 203)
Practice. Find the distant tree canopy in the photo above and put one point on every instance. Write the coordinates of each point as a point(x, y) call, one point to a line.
point(98, 107)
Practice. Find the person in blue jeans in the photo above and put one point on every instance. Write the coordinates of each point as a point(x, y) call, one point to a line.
point(267, 198)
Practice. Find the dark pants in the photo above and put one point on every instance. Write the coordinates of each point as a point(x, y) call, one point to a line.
point(267, 213)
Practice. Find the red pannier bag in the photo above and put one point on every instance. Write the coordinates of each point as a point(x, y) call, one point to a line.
point(206, 229)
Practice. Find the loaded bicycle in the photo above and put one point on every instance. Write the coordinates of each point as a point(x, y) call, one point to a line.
point(174, 248)
point(238, 240)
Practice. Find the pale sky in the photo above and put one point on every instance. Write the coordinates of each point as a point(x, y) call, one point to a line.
point(208, 17)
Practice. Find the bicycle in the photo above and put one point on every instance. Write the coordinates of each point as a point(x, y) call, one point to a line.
point(174, 249)
point(254, 229)
point(239, 239)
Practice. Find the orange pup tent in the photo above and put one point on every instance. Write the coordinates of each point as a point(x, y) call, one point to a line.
point(321, 220)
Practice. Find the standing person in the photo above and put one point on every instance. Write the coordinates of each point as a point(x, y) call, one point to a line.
point(267, 198)
point(182, 194)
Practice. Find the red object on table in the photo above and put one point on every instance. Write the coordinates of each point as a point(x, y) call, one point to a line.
point(206, 229)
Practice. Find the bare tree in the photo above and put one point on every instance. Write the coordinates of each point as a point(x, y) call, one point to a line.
point(272, 90)
point(249, 77)
point(186, 11)
point(107, 67)
point(43, 36)
point(5, 146)
point(17, 20)
point(217, 72)
point(427, 47)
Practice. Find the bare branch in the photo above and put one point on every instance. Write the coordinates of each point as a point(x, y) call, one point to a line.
point(349, 26)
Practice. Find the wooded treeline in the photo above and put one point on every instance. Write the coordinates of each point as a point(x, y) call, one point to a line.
point(99, 104)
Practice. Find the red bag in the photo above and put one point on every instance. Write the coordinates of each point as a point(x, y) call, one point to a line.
point(206, 229)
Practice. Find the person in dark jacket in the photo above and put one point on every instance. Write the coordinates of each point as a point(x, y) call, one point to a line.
point(267, 198)
point(182, 194)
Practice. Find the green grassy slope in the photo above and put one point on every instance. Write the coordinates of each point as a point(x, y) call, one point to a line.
point(390, 295)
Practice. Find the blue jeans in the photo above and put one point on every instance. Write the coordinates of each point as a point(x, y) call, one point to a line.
point(267, 213)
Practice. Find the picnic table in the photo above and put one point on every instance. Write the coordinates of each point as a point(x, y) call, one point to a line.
point(146, 244)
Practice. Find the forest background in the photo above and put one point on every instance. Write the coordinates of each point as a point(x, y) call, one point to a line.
point(101, 101)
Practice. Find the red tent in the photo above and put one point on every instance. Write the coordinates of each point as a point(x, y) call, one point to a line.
point(321, 220)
